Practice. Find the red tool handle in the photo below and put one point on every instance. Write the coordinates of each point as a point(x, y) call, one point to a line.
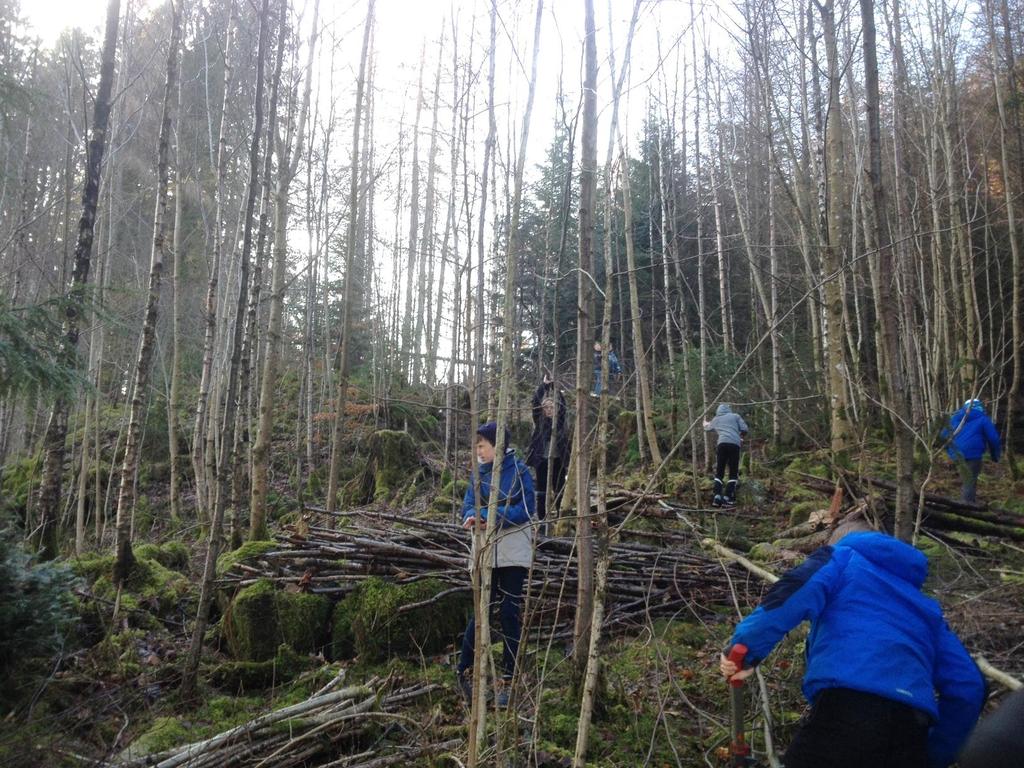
point(736, 655)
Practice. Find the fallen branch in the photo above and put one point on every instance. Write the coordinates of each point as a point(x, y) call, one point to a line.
point(728, 554)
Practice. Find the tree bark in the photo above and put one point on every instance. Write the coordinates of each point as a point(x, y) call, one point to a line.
point(201, 430)
point(841, 429)
point(174, 390)
point(227, 438)
point(75, 299)
point(343, 362)
point(124, 559)
point(481, 572)
point(892, 382)
point(287, 168)
point(584, 334)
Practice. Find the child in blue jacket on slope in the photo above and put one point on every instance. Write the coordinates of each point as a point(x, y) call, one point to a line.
point(890, 685)
point(972, 433)
point(512, 552)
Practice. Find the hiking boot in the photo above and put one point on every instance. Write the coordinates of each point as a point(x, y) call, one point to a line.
point(465, 685)
point(729, 503)
point(501, 696)
point(718, 501)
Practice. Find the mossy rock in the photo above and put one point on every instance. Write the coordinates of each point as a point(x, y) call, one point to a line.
point(815, 463)
point(369, 622)
point(150, 585)
point(165, 733)
point(801, 511)
point(248, 551)
point(451, 493)
point(393, 459)
point(170, 554)
point(678, 484)
point(237, 677)
point(262, 617)
point(752, 493)
point(764, 552)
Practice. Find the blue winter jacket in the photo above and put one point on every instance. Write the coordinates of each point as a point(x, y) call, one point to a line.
point(872, 630)
point(515, 501)
point(978, 433)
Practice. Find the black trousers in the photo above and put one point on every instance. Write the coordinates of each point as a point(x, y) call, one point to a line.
point(507, 596)
point(851, 729)
point(728, 457)
point(557, 483)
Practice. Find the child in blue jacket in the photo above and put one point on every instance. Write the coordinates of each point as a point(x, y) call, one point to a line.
point(972, 433)
point(890, 685)
point(512, 549)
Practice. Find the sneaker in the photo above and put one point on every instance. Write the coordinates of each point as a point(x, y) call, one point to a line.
point(464, 684)
point(727, 502)
point(718, 500)
point(501, 697)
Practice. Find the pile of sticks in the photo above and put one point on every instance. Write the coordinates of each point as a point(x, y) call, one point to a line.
point(622, 501)
point(939, 513)
point(328, 725)
point(644, 580)
point(942, 513)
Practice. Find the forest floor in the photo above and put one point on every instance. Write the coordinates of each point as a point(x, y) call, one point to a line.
point(112, 698)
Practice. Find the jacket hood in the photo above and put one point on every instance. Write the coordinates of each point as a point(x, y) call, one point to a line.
point(723, 409)
point(889, 554)
point(968, 413)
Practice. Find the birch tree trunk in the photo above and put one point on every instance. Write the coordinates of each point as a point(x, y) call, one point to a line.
point(426, 266)
point(584, 335)
point(174, 390)
point(204, 481)
point(123, 557)
point(591, 676)
point(287, 168)
point(892, 380)
point(483, 536)
point(227, 439)
point(639, 350)
point(241, 486)
point(341, 387)
point(75, 298)
point(409, 367)
point(841, 429)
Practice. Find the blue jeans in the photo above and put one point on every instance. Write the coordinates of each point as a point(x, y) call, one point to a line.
point(506, 593)
point(597, 381)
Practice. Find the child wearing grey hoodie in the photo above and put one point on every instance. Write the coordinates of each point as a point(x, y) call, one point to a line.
point(731, 429)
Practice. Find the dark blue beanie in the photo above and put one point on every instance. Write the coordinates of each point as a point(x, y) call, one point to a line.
point(489, 432)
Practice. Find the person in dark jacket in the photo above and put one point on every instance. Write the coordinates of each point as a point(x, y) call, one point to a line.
point(890, 685)
point(998, 741)
point(512, 546)
point(614, 367)
point(731, 429)
point(548, 421)
point(972, 433)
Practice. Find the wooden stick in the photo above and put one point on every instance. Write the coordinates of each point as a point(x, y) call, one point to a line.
point(728, 554)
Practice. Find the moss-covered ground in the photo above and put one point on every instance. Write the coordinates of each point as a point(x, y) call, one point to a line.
point(661, 701)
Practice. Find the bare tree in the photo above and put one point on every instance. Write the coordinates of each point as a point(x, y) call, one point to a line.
point(287, 168)
point(345, 342)
point(75, 299)
point(227, 439)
